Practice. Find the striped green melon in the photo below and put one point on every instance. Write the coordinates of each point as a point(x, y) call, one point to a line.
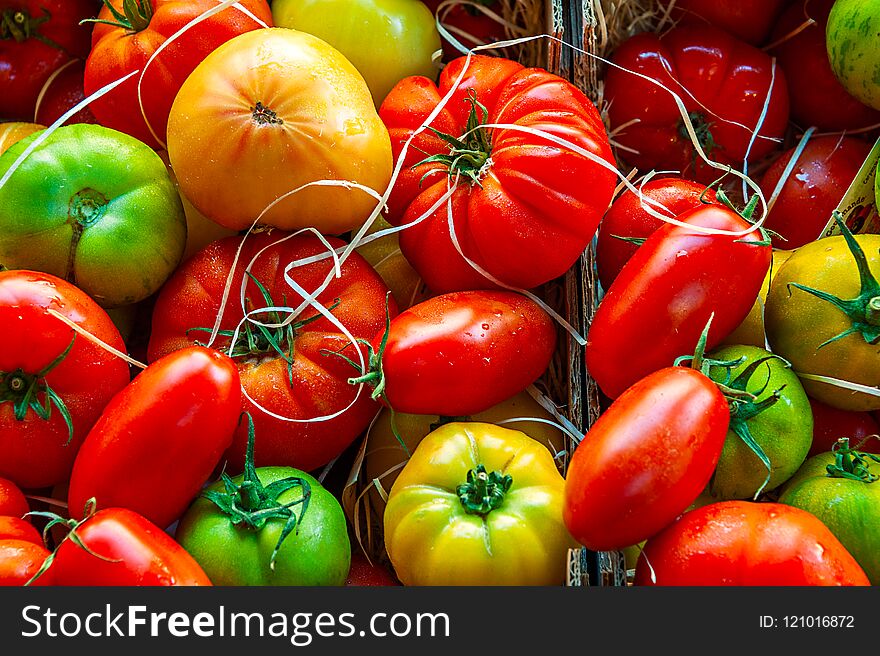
point(853, 42)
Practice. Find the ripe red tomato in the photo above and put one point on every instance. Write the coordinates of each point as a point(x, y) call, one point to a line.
point(817, 97)
point(362, 573)
point(723, 84)
point(159, 439)
point(463, 20)
point(749, 20)
point(646, 459)
point(20, 560)
point(743, 543)
point(307, 381)
point(12, 500)
point(462, 353)
point(676, 280)
point(524, 209)
point(15, 528)
point(830, 424)
point(628, 217)
point(36, 38)
point(40, 379)
point(822, 174)
point(63, 92)
point(120, 49)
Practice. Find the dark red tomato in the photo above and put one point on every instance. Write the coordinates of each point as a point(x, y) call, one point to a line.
point(362, 573)
point(830, 424)
point(12, 500)
point(461, 353)
point(159, 439)
point(20, 560)
point(15, 528)
point(468, 25)
point(817, 97)
point(628, 217)
point(646, 459)
point(119, 49)
point(63, 91)
point(817, 182)
point(36, 38)
point(36, 375)
point(743, 543)
point(723, 83)
point(662, 299)
point(748, 20)
point(134, 552)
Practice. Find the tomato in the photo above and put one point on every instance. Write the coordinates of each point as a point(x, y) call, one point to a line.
point(62, 92)
point(823, 172)
point(477, 504)
point(54, 383)
point(646, 459)
point(385, 257)
point(126, 46)
point(460, 353)
point(20, 561)
point(11, 133)
point(817, 97)
point(820, 335)
point(470, 26)
point(778, 420)
point(749, 20)
point(12, 500)
point(628, 218)
point(850, 38)
point(723, 84)
point(743, 543)
point(751, 331)
point(363, 573)
point(524, 209)
point(676, 280)
point(386, 40)
point(831, 424)
point(158, 440)
point(307, 380)
point(36, 38)
point(15, 528)
point(111, 220)
point(260, 117)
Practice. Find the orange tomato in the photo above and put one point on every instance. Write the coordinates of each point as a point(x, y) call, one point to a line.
point(11, 133)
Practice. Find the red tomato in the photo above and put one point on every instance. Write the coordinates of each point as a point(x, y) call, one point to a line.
point(15, 528)
point(160, 438)
point(20, 560)
point(817, 97)
point(63, 91)
point(743, 543)
point(37, 37)
point(723, 83)
point(316, 382)
point(118, 50)
point(471, 21)
point(646, 459)
point(462, 353)
point(37, 451)
point(662, 299)
point(817, 182)
point(749, 20)
point(130, 552)
point(830, 424)
point(12, 500)
point(528, 208)
point(628, 217)
point(362, 573)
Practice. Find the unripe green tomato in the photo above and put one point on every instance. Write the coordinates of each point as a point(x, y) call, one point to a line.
point(851, 38)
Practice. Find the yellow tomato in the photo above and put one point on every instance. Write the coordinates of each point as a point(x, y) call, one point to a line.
point(385, 256)
point(266, 113)
point(751, 331)
point(478, 504)
point(11, 133)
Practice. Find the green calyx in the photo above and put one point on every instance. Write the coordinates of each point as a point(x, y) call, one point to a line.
point(746, 213)
point(17, 24)
point(864, 310)
point(28, 391)
point(851, 464)
point(251, 505)
point(483, 492)
point(703, 130)
point(134, 17)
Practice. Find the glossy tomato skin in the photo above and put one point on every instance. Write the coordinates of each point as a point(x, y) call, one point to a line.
point(158, 440)
point(830, 424)
point(751, 331)
point(744, 543)
point(20, 560)
point(461, 353)
point(823, 172)
point(627, 217)
point(537, 205)
point(672, 285)
point(724, 75)
point(191, 299)
point(749, 20)
point(12, 133)
point(15, 528)
point(61, 94)
point(117, 51)
point(135, 553)
point(12, 500)
point(850, 39)
point(365, 574)
point(817, 97)
point(35, 452)
point(645, 460)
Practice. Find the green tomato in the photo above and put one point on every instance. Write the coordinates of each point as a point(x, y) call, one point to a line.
point(783, 428)
point(386, 40)
point(851, 38)
point(317, 552)
point(95, 207)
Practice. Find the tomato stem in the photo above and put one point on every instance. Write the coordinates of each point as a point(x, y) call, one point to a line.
point(136, 17)
point(483, 493)
point(851, 464)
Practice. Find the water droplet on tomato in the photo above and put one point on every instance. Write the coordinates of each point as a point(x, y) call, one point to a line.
point(485, 326)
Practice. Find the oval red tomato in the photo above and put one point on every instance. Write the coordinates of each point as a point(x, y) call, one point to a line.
point(749, 20)
point(20, 561)
point(15, 528)
point(12, 500)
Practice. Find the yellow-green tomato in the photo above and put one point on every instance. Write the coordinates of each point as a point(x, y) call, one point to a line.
point(386, 40)
point(478, 504)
